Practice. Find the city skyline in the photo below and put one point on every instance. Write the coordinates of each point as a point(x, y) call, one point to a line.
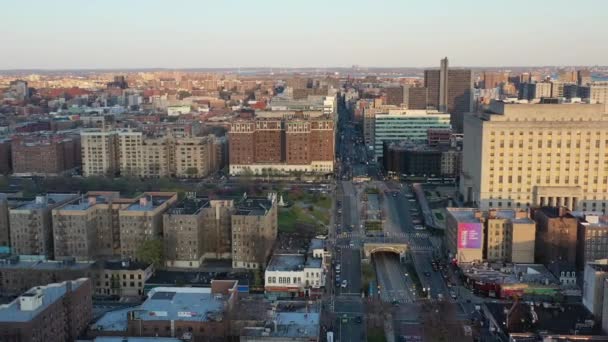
point(235, 34)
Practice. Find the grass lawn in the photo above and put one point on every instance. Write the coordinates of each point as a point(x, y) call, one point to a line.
point(289, 217)
point(287, 220)
point(323, 202)
point(375, 335)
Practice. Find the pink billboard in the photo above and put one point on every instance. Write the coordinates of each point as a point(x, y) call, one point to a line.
point(469, 235)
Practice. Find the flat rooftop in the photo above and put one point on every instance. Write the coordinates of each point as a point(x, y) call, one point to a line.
point(112, 321)
point(253, 206)
point(16, 262)
point(84, 202)
point(513, 274)
point(49, 200)
point(555, 320)
point(286, 262)
point(12, 312)
point(189, 206)
point(151, 203)
point(181, 304)
point(291, 325)
point(464, 214)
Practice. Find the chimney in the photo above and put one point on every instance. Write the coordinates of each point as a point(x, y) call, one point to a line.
point(92, 200)
point(143, 201)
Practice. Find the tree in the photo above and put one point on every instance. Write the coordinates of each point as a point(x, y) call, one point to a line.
point(182, 94)
point(192, 171)
point(151, 251)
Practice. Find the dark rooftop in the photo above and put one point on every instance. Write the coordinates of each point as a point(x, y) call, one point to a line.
point(562, 319)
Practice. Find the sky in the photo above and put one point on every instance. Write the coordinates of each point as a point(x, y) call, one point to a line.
point(97, 34)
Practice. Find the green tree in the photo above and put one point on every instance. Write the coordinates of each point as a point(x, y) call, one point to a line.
point(182, 94)
point(192, 171)
point(151, 251)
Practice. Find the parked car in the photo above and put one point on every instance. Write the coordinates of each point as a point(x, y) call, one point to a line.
point(344, 283)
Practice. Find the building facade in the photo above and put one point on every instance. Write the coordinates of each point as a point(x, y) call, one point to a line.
point(300, 144)
point(254, 231)
point(523, 155)
point(142, 221)
point(99, 152)
point(55, 312)
point(409, 125)
point(31, 225)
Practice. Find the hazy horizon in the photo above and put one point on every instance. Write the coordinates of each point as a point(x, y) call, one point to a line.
point(188, 34)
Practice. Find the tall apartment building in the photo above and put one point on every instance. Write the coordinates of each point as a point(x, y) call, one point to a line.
point(596, 92)
point(494, 79)
point(143, 220)
point(130, 152)
point(99, 152)
point(510, 236)
point(592, 238)
point(450, 91)
point(289, 144)
point(556, 233)
point(535, 91)
point(464, 234)
point(195, 157)
point(395, 96)
point(523, 155)
point(87, 227)
point(411, 125)
point(583, 77)
point(5, 157)
point(55, 312)
point(568, 76)
point(416, 97)
point(31, 227)
point(42, 154)
point(254, 231)
point(197, 228)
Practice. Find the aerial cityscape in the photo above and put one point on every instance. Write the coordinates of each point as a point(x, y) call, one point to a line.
point(345, 171)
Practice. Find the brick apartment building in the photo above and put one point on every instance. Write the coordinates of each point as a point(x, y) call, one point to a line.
point(556, 234)
point(5, 156)
point(31, 227)
point(282, 145)
point(55, 312)
point(43, 154)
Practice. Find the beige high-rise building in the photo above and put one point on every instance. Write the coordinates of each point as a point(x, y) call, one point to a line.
point(143, 220)
point(254, 231)
point(510, 236)
point(523, 155)
point(99, 152)
point(186, 157)
point(31, 226)
point(130, 153)
point(195, 229)
point(87, 227)
point(195, 157)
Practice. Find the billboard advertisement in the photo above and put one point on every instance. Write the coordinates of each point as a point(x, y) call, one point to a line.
point(469, 235)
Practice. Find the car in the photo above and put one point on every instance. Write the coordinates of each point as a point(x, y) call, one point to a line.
point(358, 320)
point(453, 295)
point(427, 274)
point(395, 302)
point(344, 283)
point(351, 244)
point(338, 266)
